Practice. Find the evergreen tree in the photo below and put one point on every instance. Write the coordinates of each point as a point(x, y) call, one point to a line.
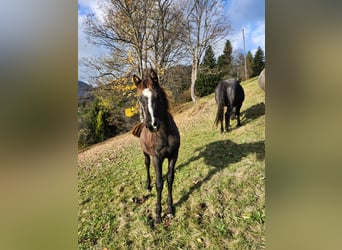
point(226, 57)
point(206, 82)
point(97, 127)
point(224, 61)
point(209, 58)
point(92, 123)
point(258, 62)
point(208, 76)
point(249, 63)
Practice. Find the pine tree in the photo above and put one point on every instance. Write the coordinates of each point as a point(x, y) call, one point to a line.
point(224, 61)
point(258, 62)
point(209, 58)
point(209, 76)
point(92, 123)
point(226, 57)
point(249, 62)
point(97, 128)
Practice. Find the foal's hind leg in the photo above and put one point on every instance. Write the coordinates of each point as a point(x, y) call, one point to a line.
point(147, 164)
point(170, 177)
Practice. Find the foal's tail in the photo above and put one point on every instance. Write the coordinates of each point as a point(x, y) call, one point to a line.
point(219, 114)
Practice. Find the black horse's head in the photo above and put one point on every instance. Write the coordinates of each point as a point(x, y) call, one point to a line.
point(152, 101)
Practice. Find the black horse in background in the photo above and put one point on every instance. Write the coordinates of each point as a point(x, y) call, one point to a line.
point(228, 93)
point(158, 134)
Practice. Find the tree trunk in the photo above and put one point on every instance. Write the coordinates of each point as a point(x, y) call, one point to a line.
point(193, 79)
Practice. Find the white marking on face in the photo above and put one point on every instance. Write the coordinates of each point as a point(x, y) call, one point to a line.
point(148, 94)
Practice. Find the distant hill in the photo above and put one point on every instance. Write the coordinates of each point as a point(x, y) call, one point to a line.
point(83, 89)
point(84, 92)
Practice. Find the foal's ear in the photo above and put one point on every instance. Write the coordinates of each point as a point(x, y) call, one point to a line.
point(153, 76)
point(136, 80)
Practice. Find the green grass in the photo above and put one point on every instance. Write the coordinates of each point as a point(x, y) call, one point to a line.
point(218, 189)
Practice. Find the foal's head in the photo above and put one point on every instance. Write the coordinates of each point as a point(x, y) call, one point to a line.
point(152, 101)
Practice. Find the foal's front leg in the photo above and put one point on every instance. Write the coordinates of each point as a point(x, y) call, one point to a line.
point(147, 164)
point(170, 177)
point(159, 186)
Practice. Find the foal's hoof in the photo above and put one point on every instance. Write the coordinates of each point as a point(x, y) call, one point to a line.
point(170, 212)
point(158, 220)
point(169, 216)
point(148, 188)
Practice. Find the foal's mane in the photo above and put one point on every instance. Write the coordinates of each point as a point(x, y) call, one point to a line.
point(163, 96)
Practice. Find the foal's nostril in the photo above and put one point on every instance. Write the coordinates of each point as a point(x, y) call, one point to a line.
point(154, 127)
point(155, 124)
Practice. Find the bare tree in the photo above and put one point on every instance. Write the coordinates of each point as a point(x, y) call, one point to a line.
point(166, 32)
point(123, 30)
point(138, 34)
point(205, 24)
point(238, 64)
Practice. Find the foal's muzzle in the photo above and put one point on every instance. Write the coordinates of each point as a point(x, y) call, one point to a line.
point(154, 127)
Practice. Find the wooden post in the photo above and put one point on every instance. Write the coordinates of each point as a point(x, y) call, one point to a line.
point(244, 53)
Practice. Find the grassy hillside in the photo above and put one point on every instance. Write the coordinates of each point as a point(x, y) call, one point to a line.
point(218, 189)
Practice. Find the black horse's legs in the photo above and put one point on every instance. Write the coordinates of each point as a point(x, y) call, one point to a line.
point(227, 117)
point(159, 186)
point(147, 164)
point(170, 177)
point(221, 121)
point(238, 115)
point(233, 114)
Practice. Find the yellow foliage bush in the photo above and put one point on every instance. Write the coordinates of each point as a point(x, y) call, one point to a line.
point(129, 112)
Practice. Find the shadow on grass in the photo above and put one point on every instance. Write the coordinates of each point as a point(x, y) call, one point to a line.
point(253, 112)
point(220, 154)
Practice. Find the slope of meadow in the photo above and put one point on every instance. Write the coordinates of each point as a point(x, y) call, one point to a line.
point(218, 192)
